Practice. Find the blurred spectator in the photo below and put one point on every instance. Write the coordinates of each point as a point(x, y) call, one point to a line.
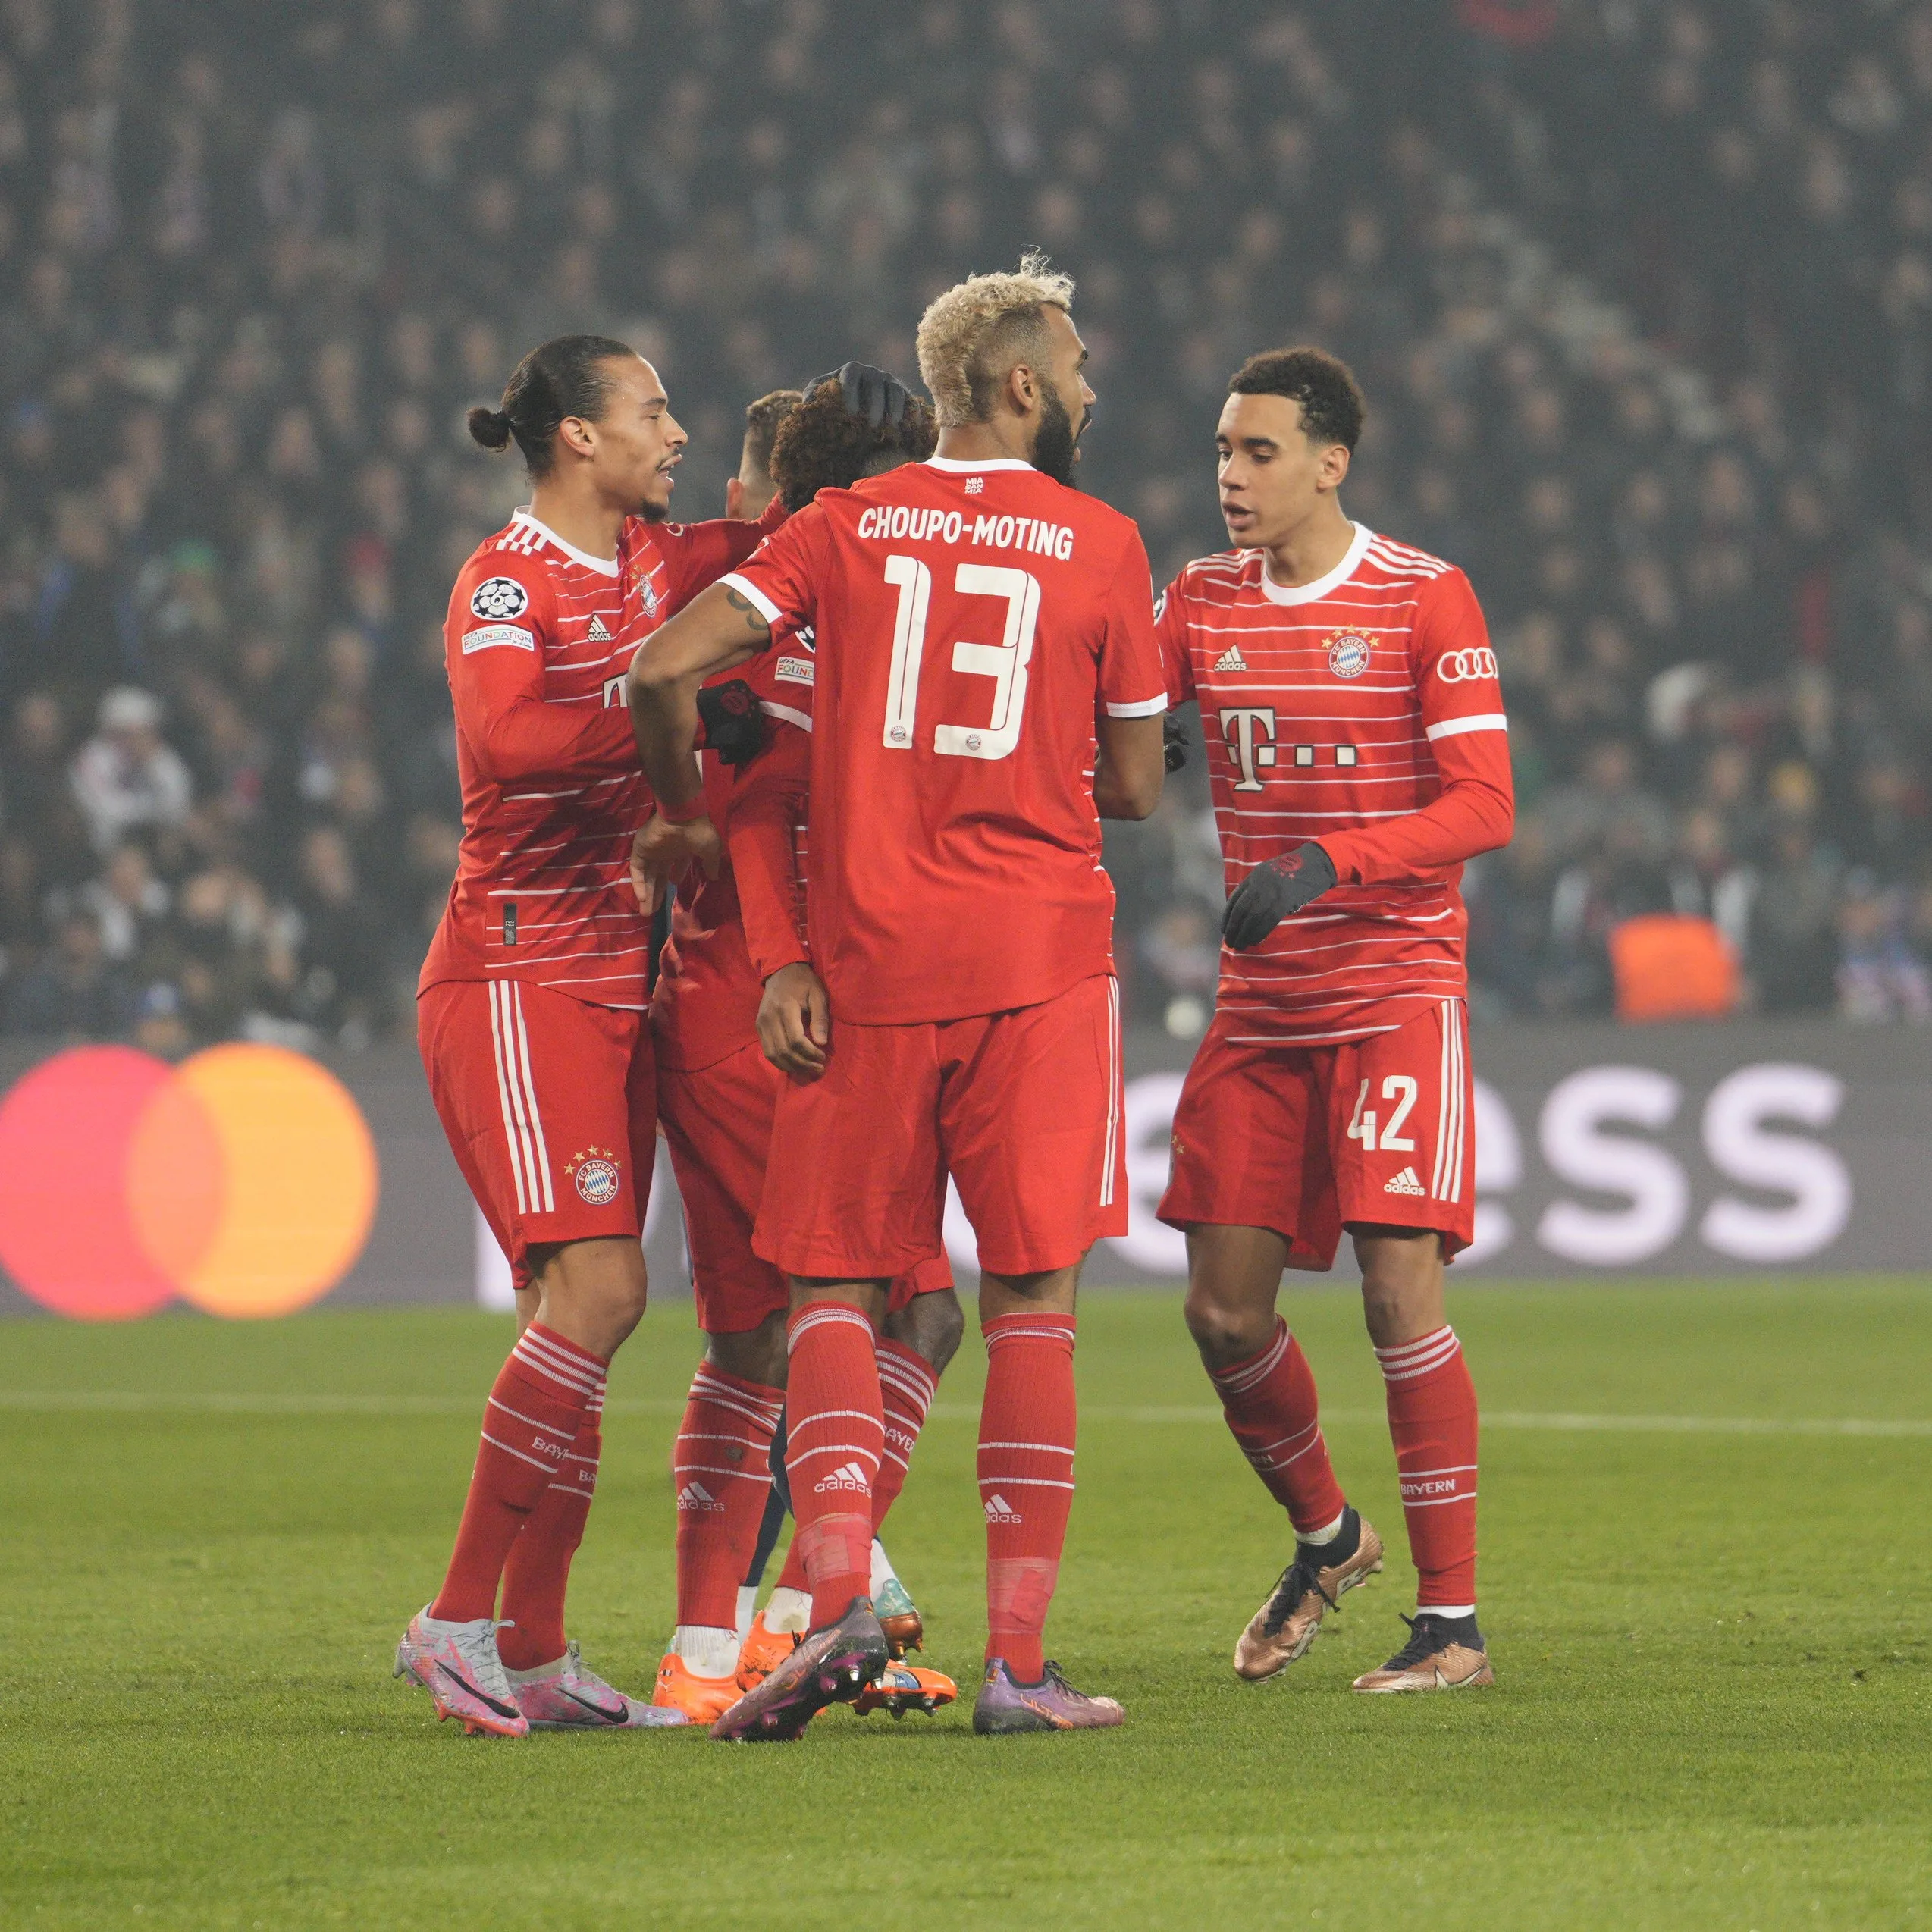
point(71, 992)
point(125, 776)
point(1879, 976)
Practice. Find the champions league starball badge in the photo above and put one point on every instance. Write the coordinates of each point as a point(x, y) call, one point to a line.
point(1348, 653)
point(498, 597)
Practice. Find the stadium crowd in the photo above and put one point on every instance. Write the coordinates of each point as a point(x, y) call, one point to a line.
point(1654, 372)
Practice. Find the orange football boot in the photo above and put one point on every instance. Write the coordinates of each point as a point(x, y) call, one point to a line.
point(764, 1651)
point(903, 1687)
point(703, 1700)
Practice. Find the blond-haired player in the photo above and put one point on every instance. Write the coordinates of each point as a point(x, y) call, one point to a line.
point(988, 687)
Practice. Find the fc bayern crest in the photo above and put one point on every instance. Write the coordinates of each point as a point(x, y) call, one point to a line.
point(500, 596)
point(595, 1173)
point(1348, 653)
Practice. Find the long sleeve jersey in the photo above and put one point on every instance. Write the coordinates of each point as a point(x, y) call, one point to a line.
point(537, 639)
point(1361, 712)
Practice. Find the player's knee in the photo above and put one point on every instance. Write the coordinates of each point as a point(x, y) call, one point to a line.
point(757, 1355)
point(931, 1324)
point(1222, 1333)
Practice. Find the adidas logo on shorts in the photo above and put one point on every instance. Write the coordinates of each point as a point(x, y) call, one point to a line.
point(694, 1496)
point(598, 633)
point(1404, 1183)
point(1000, 1510)
point(848, 1475)
point(1232, 660)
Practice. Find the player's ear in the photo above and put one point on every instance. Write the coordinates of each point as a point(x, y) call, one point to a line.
point(735, 498)
point(1334, 465)
point(1022, 390)
point(577, 436)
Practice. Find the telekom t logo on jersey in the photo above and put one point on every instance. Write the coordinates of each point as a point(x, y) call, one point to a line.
point(1248, 730)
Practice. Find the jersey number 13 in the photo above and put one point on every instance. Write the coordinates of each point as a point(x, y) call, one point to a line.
point(1005, 662)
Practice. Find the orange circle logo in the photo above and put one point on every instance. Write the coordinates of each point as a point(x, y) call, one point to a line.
point(244, 1180)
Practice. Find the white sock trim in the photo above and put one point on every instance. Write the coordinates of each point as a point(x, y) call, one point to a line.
point(748, 1608)
point(790, 1612)
point(1445, 1610)
point(1327, 1534)
point(709, 1652)
point(882, 1566)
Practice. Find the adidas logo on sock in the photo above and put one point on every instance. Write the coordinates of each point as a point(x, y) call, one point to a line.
point(848, 1475)
point(598, 633)
point(1000, 1510)
point(1232, 660)
point(694, 1496)
point(1404, 1183)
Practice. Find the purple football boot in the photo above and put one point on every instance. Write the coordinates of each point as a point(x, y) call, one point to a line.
point(1052, 1704)
point(831, 1665)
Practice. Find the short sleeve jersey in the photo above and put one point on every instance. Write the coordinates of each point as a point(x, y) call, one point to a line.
point(705, 1006)
point(536, 643)
point(972, 620)
point(1330, 710)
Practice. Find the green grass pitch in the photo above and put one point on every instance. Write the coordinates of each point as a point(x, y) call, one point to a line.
point(1714, 1707)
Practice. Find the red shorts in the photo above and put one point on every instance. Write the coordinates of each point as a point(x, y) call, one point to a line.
point(1306, 1139)
point(1023, 1109)
point(718, 1123)
point(551, 1108)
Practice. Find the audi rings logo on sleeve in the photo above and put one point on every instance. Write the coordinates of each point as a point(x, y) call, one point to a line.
point(500, 596)
point(1465, 667)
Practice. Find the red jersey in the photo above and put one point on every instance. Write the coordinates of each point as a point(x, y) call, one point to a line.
point(972, 619)
point(1361, 711)
point(712, 972)
point(537, 639)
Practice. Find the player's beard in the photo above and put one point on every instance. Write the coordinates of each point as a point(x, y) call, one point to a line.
point(1053, 445)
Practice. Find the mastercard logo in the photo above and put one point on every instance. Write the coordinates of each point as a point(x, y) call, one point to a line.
point(244, 1181)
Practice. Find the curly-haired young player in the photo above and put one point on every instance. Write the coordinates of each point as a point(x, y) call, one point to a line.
point(1357, 754)
point(717, 1093)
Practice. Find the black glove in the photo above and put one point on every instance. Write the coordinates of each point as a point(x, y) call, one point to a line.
point(1272, 891)
point(1174, 742)
point(734, 725)
point(874, 396)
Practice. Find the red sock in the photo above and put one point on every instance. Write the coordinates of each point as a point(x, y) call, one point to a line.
point(534, 1413)
point(835, 1433)
point(1269, 1402)
point(538, 1574)
point(792, 1577)
point(1027, 1423)
point(906, 1385)
point(1431, 1415)
point(721, 1470)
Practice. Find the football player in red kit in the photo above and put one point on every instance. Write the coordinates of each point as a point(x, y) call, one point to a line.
point(716, 1095)
point(988, 687)
point(531, 1006)
point(1358, 756)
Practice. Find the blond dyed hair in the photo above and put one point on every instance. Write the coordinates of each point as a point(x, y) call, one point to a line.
point(971, 336)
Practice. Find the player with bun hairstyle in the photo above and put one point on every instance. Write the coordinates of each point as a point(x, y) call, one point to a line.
point(531, 1004)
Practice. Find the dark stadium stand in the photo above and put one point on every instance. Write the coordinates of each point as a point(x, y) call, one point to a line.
point(1652, 364)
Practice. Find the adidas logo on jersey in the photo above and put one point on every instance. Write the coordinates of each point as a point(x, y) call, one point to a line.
point(1232, 660)
point(598, 633)
point(851, 1476)
point(694, 1496)
point(1000, 1510)
point(1404, 1183)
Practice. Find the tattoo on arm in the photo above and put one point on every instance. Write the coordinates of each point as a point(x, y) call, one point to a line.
point(754, 621)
